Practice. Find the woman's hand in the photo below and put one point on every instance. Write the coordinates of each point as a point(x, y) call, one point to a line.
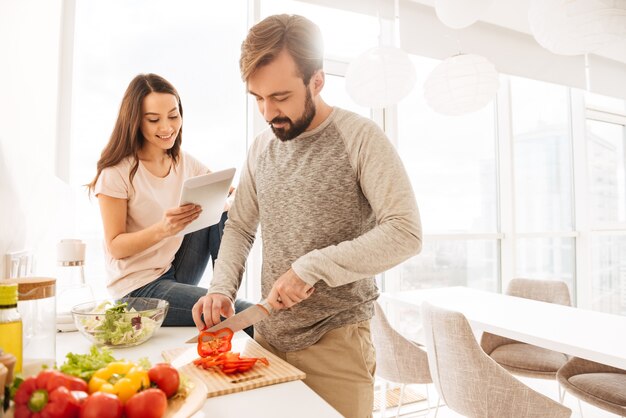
point(176, 219)
point(122, 244)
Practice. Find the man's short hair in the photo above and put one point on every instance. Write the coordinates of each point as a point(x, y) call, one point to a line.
point(267, 39)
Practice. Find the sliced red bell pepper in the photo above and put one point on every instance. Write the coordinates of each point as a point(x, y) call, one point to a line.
point(214, 350)
point(213, 343)
point(48, 395)
point(229, 362)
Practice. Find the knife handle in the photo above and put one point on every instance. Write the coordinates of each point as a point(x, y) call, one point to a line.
point(266, 305)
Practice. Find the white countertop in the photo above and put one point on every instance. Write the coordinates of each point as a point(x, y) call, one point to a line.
point(284, 400)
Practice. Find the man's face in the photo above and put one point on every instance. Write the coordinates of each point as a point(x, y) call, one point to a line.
point(283, 99)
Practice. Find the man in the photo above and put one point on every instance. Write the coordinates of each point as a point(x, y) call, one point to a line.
point(335, 207)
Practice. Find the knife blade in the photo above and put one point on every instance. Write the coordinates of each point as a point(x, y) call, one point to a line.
point(242, 320)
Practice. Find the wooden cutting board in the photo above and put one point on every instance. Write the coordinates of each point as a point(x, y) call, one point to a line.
point(218, 383)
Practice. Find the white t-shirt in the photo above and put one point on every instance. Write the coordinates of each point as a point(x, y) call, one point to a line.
point(148, 198)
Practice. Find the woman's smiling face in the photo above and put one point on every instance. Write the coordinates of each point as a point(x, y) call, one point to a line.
point(161, 121)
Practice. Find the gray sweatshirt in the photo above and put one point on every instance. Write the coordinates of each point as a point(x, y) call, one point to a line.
point(336, 205)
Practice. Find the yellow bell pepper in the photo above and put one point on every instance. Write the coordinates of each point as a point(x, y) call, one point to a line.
point(121, 378)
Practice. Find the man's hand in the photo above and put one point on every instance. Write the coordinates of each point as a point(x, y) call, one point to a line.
point(288, 291)
point(212, 306)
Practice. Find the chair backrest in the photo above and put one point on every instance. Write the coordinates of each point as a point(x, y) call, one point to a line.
point(397, 359)
point(469, 381)
point(551, 291)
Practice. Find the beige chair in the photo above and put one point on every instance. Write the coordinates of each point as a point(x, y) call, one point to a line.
point(398, 360)
point(526, 359)
point(469, 381)
point(600, 385)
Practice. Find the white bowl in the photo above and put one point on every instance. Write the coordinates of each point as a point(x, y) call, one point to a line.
point(131, 322)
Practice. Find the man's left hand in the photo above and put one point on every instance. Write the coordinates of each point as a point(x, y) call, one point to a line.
point(289, 290)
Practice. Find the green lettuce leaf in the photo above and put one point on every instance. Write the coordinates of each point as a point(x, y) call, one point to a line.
point(85, 365)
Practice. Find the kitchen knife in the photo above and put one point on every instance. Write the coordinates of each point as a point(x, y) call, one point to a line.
point(242, 320)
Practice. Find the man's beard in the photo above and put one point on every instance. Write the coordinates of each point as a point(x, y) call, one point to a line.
point(293, 129)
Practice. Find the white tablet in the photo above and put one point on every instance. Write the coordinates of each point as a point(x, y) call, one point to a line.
point(210, 192)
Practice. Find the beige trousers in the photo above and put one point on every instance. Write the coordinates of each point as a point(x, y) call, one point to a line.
point(339, 368)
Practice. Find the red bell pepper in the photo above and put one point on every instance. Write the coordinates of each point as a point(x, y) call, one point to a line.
point(52, 379)
point(213, 343)
point(48, 395)
point(214, 350)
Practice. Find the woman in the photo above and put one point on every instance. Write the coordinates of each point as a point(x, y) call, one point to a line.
point(138, 182)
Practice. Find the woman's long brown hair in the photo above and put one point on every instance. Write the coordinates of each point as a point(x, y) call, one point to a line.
point(127, 139)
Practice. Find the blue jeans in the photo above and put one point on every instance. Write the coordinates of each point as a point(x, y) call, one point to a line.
point(179, 285)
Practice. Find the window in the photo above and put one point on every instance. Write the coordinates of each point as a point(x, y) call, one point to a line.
point(335, 94)
point(607, 178)
point(540, 118)
point(451, 162)
point(609, 274)
point(546, 258)
point(542, 149)
point(469, 261)
point(606, 168)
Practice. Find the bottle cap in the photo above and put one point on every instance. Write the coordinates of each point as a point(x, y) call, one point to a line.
point(71, 252)
point(8, 294)
point(29, 288)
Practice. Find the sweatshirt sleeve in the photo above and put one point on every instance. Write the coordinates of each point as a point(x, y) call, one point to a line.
point(240, 229)
point(398, 233)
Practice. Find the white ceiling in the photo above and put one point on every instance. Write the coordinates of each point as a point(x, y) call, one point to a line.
point(513, 14)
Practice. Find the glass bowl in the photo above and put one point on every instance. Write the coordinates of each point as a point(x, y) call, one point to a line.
point(120, 323)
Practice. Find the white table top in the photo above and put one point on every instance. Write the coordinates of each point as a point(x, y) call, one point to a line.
point(592, 335)
point(284, 400)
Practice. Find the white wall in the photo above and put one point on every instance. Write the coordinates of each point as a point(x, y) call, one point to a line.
point(29, 62)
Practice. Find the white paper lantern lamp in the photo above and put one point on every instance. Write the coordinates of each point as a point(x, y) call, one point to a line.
point(461, 84)
point(380, 77)
point(459, 14)
point(575, 27)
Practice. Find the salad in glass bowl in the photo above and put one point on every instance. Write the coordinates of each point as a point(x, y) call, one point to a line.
point(120, 322)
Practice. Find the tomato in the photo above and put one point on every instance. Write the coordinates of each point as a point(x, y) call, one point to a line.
point(150, 403)
point(101, 405)
point(166, 378)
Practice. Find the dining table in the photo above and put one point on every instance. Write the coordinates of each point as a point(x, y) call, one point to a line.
point(281, 400)
point(592, 335)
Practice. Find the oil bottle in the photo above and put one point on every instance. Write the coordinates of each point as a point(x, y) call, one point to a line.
point(10, 324)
